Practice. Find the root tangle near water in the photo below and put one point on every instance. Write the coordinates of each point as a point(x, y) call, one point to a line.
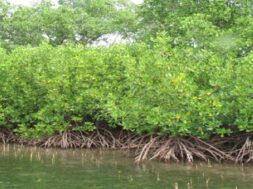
point(238, 149)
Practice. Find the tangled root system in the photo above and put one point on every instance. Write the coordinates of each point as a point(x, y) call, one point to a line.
point(238, 149)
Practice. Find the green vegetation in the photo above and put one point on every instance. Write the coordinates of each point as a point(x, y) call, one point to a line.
point(189, 73)
point(163, 90)
point(223, 26)
point(79, 22)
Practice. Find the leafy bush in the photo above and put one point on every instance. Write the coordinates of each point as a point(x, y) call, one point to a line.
point(144, 89)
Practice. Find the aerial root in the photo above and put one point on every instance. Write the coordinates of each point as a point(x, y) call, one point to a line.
point(243, 149)
point(3, 137)
point(238, 149)
point(179, 148)
point(76, 139)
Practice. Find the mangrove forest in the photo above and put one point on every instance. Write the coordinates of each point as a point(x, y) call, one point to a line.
point(177, 86)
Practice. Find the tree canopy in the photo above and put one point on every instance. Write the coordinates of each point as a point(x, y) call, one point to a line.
point(71, 21)
point(224, 25)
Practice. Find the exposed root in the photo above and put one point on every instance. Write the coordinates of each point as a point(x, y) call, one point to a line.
point(179, 148)
point(70, 139)
point(63, 140)
point(145, 150)
point(245, 152)
point(238, 149)
point(3, 138)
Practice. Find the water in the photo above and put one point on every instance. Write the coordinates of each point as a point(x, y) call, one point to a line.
point(35, 168)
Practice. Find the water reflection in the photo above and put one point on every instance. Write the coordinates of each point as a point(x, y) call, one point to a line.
point(35, 168)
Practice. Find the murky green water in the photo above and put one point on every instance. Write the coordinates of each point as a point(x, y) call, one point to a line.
point(34, 168)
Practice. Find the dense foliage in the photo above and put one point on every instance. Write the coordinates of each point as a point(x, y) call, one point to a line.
point(190, 73)
point(80, 22)
point(144, 89)
point(222, 26)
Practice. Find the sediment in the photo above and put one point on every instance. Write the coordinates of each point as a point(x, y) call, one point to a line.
point(238, 148)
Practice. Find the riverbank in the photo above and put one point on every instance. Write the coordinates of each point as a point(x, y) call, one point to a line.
point(238, 148)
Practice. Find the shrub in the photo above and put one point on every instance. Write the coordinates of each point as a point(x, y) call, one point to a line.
point(144, 89)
